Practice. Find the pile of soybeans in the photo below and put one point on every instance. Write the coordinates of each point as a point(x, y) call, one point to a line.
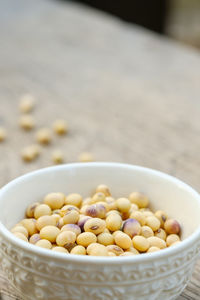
point(98, 225)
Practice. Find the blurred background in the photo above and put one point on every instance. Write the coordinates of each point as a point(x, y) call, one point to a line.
point(123, 75)
point(179, 19)
point(119, 73)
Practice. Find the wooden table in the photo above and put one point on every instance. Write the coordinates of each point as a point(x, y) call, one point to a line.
point(128, 95)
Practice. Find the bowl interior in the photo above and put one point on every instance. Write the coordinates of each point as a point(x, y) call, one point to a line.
point(177, 199)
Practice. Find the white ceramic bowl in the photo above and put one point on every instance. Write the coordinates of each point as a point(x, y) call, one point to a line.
point(38, 273)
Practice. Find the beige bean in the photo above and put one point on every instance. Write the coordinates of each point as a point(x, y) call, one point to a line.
point(98, 250)
point(98, 197)
point(146, 231)
point(133, 250)
point(172, 238)
point(57, 156)
point(66, 238)
point(60, 127)
point(123, 205)
point(43, 136)
point(139, 216)
point(30, 209)
point(71, 217)
point(157, 242)
point(162, 217)
point(115, 249)
point(140, 199)
point(141, 243)
point(44, 244)
point(54, 200)
point(103, 189)
point(111, 203)
point(49, 233)
point(30, 153)
point(44, 221)
point(153, 222)
point(60, 249)
point(34, 238)
point(86, 238)
point(2, 134)
point(153, 249)
point(21, 236)
point(27, 122)
point(78, 250)
point(42, 210)
point(161, 234)
point(30, 225)
point(105, 239)
point(113, 222)
point(21, 229)
point(67, 208)
point(123, 240)
point(74, 199)
point(95, 225)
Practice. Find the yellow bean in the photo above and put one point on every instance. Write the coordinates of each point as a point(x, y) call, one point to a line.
point(153, 249)
point(49, 233)
point(140, 199)
point(103, 189)
point(146, 231)
point(105, 239)
point(71, 217)
point(157, 242)
point(44, 244)
point(172, 238)
point(44, 221)
point(113, 222)
point(2, 134)
point(153, 222)
point(123, 240)
point(66, 238)
point(55, 200)
point(141, 243)
point(123, 204)
point(161, 234)
point(86, 238)
point(78, 250)
point(30, 225)
point(95, 225)
point(74, 199)
point(60, 249)
point(21, 236)
point(98, 250)
point(42, 210)
point(21, 229)
point(60, 127)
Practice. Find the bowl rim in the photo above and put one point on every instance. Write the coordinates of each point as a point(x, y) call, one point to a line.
point(146, 257)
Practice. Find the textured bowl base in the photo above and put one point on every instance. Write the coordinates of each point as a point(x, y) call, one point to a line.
point(147, 297)
point(51, 282)
point(60, 291)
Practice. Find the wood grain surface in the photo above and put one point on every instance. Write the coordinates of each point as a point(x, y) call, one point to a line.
point(127, 94)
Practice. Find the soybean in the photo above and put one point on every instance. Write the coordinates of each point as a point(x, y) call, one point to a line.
point(95, 225)
point(86, 238)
